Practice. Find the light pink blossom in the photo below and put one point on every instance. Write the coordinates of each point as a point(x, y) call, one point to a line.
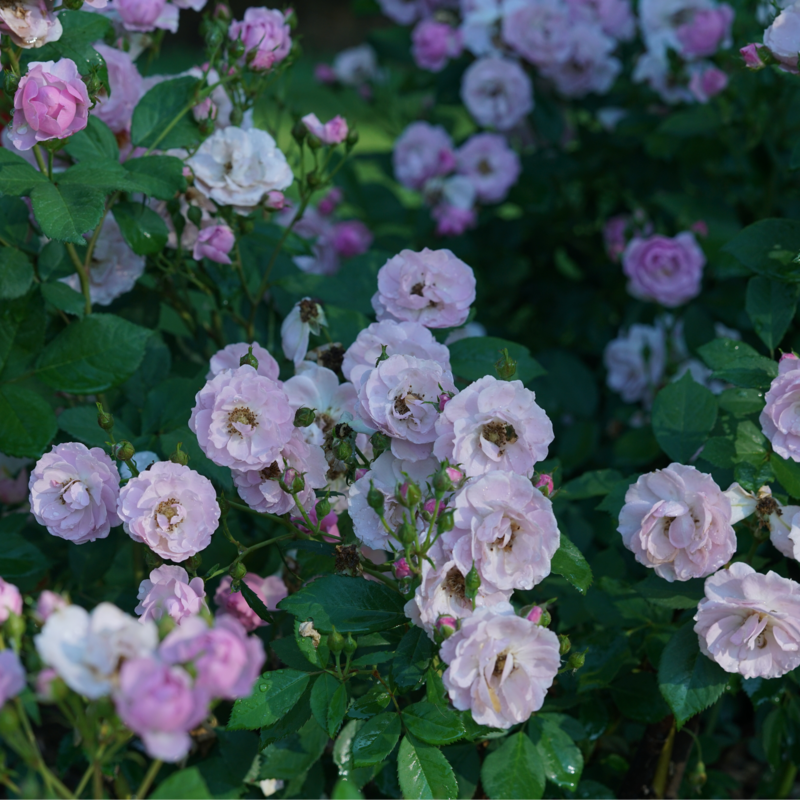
point(214, 243)
point(12, 676)
point(497, 93)
point(147, 15)
point(780, 419)
point(434, 44)
point(125, 82)
point(782, 37)
point(636, 361)
point(47, 603)
point(490, 164)
point(707, 82)
point(229, 357)
point(10, 601)
point(423, 151)
point(169, 591)
point(351, 238)
point(708, 30)
point(332, 132)
point(30, 23)
point(270, 590)
point(538, 30)
point(266, 35)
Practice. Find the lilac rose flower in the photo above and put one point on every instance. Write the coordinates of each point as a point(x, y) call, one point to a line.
point(10, 600)
point(750, 623)
point(780, 419)
point(12, 676)
point(351, 238)
point(432, 287)
point(497, 93)
point(678, 522)
point(667, 271)
point(538, 30)
point(636, 361)
point(266, 36)
point(242, 419)
point(493, 425)
point(706, 31)
point(500, 666)
point(147, 15)
point(707, 82)
point(423, 151)
point(490, 164)
point(116, 108)
point(434, 44)
point(170, 508)
point(214, 243)
point(229, 357)
point(48, 603)
point(782, 37)
point(74, 492)
point(169, 591)
point(270, 590)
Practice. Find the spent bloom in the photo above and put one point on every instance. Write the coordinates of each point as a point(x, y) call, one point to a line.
point(125, 82)
point(74, 492)
point(750, 623)
point(332, 132)
point(270, 591)
point(170, 508)
point(214, 243)
point(10, 600)
point(434, 44)
point(51, 102)
point(497, 92)
point(493, 425)
point(305, 318)
point(780, 419)
point(423, 151)
point(229, 357)
point(169, 591)
point(12, 676)
point(242, 419)
point(266, 36)
point(432, 287)
point(490, 164)
point(500, 666)
point(678, 522)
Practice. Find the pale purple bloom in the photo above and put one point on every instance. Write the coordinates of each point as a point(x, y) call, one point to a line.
point(403, 12)
point(43, 685)
point(332, 132)
point(266, 36)
point(399, 397)
point(453, 220)
point(86, 650)
point(706, 82)
point(12, 676)
point(432, 287)
point(784, 529)
point(782, 37)
point(147, 15)
point(500, 666)
point(229, 357)
point(74, 492)
point(493, 425)
point(270, 591)
point(538, 30)
point(497, 93)
point(10, 601)
point(305, 318)
point(30, 23)
point(678, 522)
point(242, 419)
point(423, 151)
point(240, 167)
point(654, 69)
point(227, 661)
point(664, 270)
point(406, 338)
point(635, 362)
point(356, 66)
point(159, 703)
point(780, 419)
point(170, 508)
point(480, 26)
point(615, 17)
point(325, 73)
point(707, 31)
point(434, 44)
point(750, 623)
point(47, 603)
point(51, 102)
point(169, 591)
point(116, 108)
point(490, 164)
point(214, 243)
point(330, 202)
point(351, 238)
point(506, 528)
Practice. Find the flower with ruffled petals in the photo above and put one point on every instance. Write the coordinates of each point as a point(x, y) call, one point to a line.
point(635, 362)
point(230, 357)
point(74, 492)
point(170, 508)
point(266, 35)
point(497, 93)
point(500, 666)
point(782, 37)
point(780, 419)
point(493, 425)
point(169, 591)
point(270, 590)
point(214, 243)
point(147, 15)
point(30, 23)
point(12, 676)
point(538, 30)
point(116, 108)
point(434, 44)
point(47, 603)
point(490, 164)
point(10, 600)
point(423, 151)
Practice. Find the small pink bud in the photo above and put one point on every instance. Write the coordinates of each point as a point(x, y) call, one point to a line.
point(700, 228)
point(401, 568)
point(750, 54)
point(535, 614)
point(446, 626)
point(454, 474)
point(444, 399)
point(361, 472)
point(430, 506)
point(545, 484)
point(789, 357)
point(275, 200)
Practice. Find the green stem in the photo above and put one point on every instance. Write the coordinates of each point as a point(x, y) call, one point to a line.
point(144, 788)
point(786, 782)
point(83, 275)
point(37, 152)
point(380, 576)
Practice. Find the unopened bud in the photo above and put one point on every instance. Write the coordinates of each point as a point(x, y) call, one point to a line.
point(352, 138)
point(195, 215)
point(564, 644)
point(442, 483)
point(401, 569)
point(446, 522)
point(505, 366)
point(350, 645)
point(336, 642)
point(290, 18)
point(124, 451)
point(535, 615)
point(179, 457)
point(313, 179)
point(576, 660)
point(236, 49)
point(545, 619)
point(472, 582)
point(299, 131)
point(298, 484)
point(446, 626)
point(104, 419)
point(11, 82)
point(313, 143)
point(237, 115)
point(408, 494)
point(697, 777)
point(380, 443)
point(303, 417)
point(214, 36)
point(237, 571)
point(375, 499)
point(544, 483)
point(248, 359)
point(323, 508)
point(194, 562)
point(343, 450)
point(407, 533)
point(9, 721)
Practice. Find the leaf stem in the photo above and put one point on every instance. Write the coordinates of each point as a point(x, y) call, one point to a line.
point(83, 275)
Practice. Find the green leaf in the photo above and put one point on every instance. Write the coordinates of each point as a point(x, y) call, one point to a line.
point(350, 604)
point(466, 765)
point(14, 222)
point(81, 30)
point(29, 423)
point(413, 655)
point(768, 248)
point(329, 702)
point(689, 681)
point(104, 174)
point(560, 756)
point(591, 484)
point(771, 307)
point(95, 142)
point(274, 694)
point(256, 603)
point(636, 696)
point(16, 273)
point(741, 402)
point(514, 771)
point(787, 472)
point(679, 594)
point(319, 655)
point(290, 723)
point(476, 356)
point(186, 784)
point(22, 324)
point(376, 740)
point(684, 414)
point(17, 176)
point(93, 354)
point(65, 298)
point(344, 789)
point(720, 451)
point(750, 444)
point(369, 704)
point(423, 772)
point(80, 423)
point(738, 363)
point(432, 724)
point(67, 212)
point(158, 176)
point(292, 756)
point(142, 228)
point(161, 118)
point(569, 562)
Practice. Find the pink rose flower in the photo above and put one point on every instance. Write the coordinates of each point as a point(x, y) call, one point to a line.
point(664, 270)
point(497, 93)
point(500, 666)
point(453, 220)
point(782, 37)
point(169, 591)
point(229, 357)
point(780, 419)
point(707, 82)
point(636, 362)
point(333, 132)
point(214, 243)
point(270, 590)
point(399, 397)
point(404, 338)
point(422, 152)
point(432, 287)
point(493, 425)
point(74, 492)
point(170, 508)
point(706, 31)
point(30, 23)
point(351, 238)
point(506, 528)
point(751, 56)
point(330, 202)
point(227, 661)
point(490, 164)
point(10, 601)
point(159, 703)
point(615, 17)
point(147, 15)
point(538, 30)
point(678, 522)
point(401, 569)
point(51, 102)
point(48, 603)
point(242, 419)
point(434, 44)
point(750, 623)
point(259, 488)
point(12, 676)
point(266, 35)
point(116, 108)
